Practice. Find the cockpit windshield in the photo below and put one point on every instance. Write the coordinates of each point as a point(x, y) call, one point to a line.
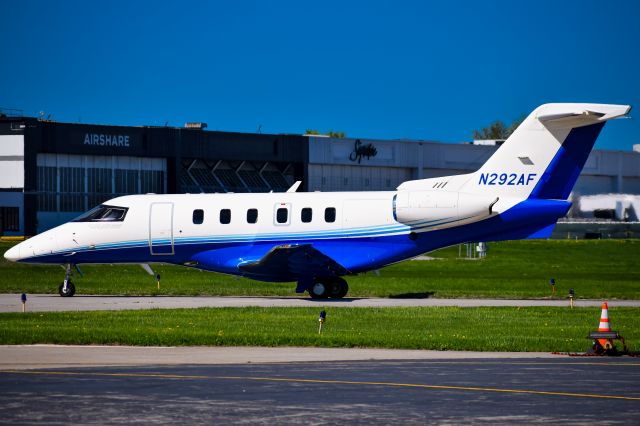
point(103, 213)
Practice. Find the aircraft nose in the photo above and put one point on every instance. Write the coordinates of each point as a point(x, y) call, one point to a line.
point(13, 254)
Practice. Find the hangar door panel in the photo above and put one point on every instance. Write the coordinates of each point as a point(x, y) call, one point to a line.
point(161, 229)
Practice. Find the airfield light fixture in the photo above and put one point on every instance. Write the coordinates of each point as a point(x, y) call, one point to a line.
point(321, 320)
point(572, 295)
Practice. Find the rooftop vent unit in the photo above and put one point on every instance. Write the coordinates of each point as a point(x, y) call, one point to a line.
point(488, 142)
point(194, 125)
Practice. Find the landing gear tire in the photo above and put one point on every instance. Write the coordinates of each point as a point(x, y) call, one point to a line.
point(338, 288)
point(319, 290)
point(324, 288)
point(69, 291)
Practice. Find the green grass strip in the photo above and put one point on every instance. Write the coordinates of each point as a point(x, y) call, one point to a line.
point(441, 328)
point(604, 269)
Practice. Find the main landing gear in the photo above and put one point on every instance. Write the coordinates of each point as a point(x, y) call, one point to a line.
point(67, 289)
point(329, 287)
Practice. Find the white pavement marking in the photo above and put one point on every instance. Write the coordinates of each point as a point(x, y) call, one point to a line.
point(22, 357)
point(49, 302)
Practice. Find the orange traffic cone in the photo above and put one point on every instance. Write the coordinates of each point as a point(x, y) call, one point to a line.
point(605, 326)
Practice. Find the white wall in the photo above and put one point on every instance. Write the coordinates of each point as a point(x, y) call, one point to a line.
point(330, 168)
point(593, 184)
point(328, 177)
point(400, 153)
point(11, 161)
point(631, 185)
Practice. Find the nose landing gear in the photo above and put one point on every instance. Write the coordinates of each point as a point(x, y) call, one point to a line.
point(67, 289)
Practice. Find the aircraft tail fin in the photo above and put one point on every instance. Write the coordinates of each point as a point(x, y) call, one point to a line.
point(545, 154)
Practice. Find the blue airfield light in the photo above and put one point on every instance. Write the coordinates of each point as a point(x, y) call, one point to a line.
point(321, 320)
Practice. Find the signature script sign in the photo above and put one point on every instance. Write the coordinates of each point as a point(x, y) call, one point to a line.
point(360, 150)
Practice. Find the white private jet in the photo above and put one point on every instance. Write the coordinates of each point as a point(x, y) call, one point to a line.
point(317, 238)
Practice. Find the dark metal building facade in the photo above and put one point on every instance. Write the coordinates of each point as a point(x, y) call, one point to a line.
point(69, 168)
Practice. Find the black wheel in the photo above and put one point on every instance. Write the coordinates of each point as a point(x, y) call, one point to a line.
point(596, 348)
point(319, 290)
point(338, 288)
point(71, 289)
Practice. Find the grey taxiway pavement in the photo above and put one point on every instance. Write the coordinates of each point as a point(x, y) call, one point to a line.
point(437, 391)
point(50, 302)
point(57, 356)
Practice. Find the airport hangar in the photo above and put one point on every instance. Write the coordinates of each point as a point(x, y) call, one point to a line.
point(50, 172)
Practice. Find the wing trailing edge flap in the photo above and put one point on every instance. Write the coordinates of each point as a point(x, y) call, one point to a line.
point(294, 261)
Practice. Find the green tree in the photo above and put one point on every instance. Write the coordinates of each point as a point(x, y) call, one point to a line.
point(497, 130)
point(336, 134)
point(330, 133)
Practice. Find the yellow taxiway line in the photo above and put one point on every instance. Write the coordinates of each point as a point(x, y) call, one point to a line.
point(318, 381)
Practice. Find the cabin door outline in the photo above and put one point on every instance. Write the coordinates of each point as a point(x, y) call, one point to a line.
point(161, 229)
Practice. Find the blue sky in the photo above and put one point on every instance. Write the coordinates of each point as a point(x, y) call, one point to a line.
point(421, 70)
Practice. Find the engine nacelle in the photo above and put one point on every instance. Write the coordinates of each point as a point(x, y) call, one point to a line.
point(411, 207)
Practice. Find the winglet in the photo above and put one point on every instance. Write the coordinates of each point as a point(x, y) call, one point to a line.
point(295, 186)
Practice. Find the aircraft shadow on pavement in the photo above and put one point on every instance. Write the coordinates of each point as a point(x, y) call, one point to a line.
point(418, 295)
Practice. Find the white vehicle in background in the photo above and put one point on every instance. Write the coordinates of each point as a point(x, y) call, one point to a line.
point(317, 238)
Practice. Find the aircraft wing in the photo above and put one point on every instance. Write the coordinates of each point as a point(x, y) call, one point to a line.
point(294, 261)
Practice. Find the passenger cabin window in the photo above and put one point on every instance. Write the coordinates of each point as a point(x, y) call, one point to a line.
point(252, 215)
point(306, 215)
point(198, 216)
point(225, 216)
point(330, 214)
point(282, 215)
point(103, 213)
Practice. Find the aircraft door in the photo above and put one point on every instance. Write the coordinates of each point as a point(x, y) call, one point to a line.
point(161, 229)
